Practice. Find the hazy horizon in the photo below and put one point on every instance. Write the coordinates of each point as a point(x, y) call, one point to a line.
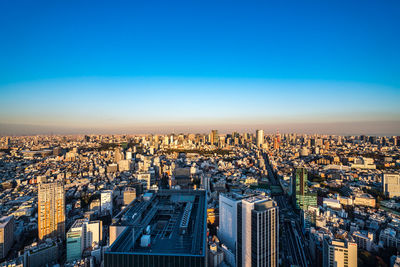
point(348, 128)
point(132, 66)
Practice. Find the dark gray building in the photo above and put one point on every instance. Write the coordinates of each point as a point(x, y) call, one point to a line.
point(167, 228)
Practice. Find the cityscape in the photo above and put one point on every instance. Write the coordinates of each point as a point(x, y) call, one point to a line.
point(199, 133)
point(251, 199)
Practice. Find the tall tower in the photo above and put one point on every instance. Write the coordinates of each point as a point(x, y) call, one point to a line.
point(214, 139)
point(258, 230)
point(51, 210)
point(301, 197)
point(259, 138)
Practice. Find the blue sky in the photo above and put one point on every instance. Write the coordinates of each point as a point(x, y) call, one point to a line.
point(138, 64)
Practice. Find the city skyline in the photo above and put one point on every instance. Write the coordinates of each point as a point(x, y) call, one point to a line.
point(185, 66)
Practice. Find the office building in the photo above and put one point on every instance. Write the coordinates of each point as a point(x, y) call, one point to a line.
point(146, 178)
point(51, 210)
point(227, 230)
point(6, 235)
point(339, 253)
point(129, 195)
point(391, 184)
point(82, 234)
point(259, 138)
point(44, 254)
point(257, 232)
point(214, 138)
point(301, 196)
point(167, 228)
point(106, 201)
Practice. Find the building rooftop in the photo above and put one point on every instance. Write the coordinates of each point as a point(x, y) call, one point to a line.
point(4, 220)
point(171, 222)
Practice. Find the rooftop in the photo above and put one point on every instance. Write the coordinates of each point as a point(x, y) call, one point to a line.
point(171, 222)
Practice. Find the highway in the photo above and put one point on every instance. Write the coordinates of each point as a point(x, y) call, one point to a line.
point(292, 245)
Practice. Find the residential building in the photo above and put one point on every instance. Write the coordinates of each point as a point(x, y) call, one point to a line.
point(51, 210)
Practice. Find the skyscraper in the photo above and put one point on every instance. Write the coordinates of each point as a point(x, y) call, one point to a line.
point(302, 198)
point(258, 230)
point(51, 210)
point(214, 139)
point(227, 230)
point(259, 138)
point(339, 253)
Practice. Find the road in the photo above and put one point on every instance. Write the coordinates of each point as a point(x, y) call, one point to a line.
point(291, 242)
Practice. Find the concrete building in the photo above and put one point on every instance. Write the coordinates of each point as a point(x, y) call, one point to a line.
point(146, 177)
point(391, 184)
point(6, 235)
point(365, 200)
point(259, 138)
point(42, 254)
point(258, 232)
point(106, 201)
point(339, 253)
point(51, 210)
point(214, 138)
point(82, 234)
point(167, 228)
point(129, 195)
point(227, 230)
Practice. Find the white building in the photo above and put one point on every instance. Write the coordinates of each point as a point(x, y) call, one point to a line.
point(106, 201)
point(339, 253)
point(227, 231)
point(82, 234)
point(259, 138)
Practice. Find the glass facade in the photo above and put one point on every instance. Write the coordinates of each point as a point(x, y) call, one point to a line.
point(74, 250)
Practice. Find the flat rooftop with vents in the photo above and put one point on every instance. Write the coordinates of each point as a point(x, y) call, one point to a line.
point(167, 225)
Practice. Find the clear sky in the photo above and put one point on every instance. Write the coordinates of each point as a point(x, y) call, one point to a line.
point(137, 66)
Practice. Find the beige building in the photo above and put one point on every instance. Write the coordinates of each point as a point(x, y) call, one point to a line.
point(365, 200)
point(51, 210)
point(6, 235)
point(129, 195)
point(339, 253)
point(391, 184)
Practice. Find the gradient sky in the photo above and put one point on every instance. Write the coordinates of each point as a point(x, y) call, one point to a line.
point(135, 66)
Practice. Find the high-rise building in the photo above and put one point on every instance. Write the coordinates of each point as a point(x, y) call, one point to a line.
point(259, 138)
point(106, 201)
point(227, 230)
point(302, 198)
point(214, 138)
point(257, 232)
point(6, 235)
point(276, 143)
point(391, 184)
point(51, 210)
point(82, 234)
point(339, 253)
